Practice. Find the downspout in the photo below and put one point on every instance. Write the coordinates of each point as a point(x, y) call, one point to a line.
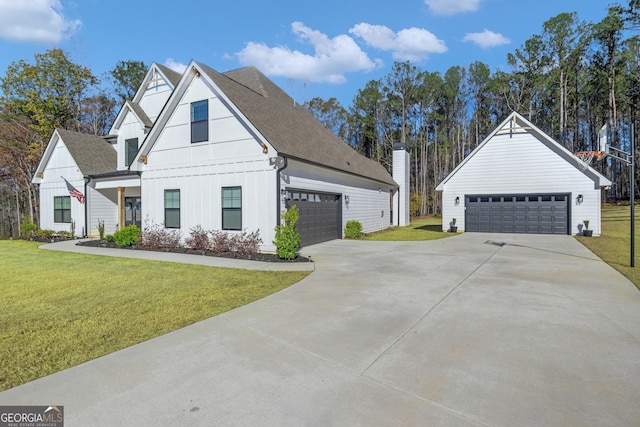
point(286, 163)
point(86, 202)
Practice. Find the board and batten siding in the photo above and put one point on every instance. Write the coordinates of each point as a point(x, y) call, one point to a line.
point(155, 96)
point(130, 128)
point(231, 157)
point(521, 164)
point(369, 201)
point(61, 164)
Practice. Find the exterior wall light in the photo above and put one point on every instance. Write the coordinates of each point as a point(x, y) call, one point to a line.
point(579, 199)
point(457, 200)
point(346, 199)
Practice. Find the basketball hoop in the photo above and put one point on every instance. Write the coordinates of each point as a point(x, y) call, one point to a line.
point(585, 158)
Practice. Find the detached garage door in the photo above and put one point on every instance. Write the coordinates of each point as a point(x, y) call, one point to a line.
point(522, 213)
point(320, 216)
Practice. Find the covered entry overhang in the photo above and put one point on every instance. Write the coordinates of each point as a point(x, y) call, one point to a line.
point(127, 184)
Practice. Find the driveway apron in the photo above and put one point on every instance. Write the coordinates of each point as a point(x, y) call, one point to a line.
point(476, 329)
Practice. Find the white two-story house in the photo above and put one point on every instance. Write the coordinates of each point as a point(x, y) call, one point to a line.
point(226, 151)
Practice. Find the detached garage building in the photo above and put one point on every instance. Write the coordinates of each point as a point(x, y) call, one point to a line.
point(519, 180)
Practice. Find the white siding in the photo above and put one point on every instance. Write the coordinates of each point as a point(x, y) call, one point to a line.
point(61, 164)
point(518, 165)
point(401, 200)
point(155, 96)
point(131, 127)
point(231, 157)
point(103, 206)
point(369, 201)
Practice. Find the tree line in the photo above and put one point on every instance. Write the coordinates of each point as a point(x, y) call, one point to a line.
point(569, 80)
point(52, 92)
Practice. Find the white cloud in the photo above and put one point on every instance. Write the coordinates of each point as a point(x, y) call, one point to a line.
point(332, 57)
point(175, 66)
point(486, 39)
point(452, 7)
point(411, 44)
point(35, 21)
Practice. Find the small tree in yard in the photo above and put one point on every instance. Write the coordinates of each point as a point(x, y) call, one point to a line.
point(287, 238)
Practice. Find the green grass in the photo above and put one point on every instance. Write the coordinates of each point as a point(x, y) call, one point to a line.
point(61, 309)
point(428, 228)
point(613, 246)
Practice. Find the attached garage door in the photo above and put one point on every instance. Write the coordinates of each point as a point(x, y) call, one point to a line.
point(320, 216)
point(522, 213)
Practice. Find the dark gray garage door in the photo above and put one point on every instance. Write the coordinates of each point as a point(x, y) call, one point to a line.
point(320, 216)
point(522, 213)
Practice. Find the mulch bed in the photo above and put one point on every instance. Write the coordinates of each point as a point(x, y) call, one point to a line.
point(256, 257)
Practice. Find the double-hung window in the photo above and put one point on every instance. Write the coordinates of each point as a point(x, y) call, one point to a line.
point(200, 121)
point(172, 208)
point(62, 209)
point(131, 148)
point(232, 208)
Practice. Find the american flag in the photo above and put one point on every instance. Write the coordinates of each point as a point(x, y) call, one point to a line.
point(74, 191)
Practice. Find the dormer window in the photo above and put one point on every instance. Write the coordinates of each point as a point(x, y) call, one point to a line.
point(131, 149)
point(199, 121)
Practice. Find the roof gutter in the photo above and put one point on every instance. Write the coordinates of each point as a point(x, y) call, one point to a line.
point(278, 196)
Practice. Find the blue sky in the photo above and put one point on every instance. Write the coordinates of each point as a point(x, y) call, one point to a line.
point(328, 48)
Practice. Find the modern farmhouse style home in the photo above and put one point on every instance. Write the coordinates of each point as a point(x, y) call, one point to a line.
point(519, 180)
point(226, 151)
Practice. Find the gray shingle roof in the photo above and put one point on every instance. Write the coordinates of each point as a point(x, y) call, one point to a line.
point(173, 76)
point(137, 109)
point(92, 154)
point(291, 129)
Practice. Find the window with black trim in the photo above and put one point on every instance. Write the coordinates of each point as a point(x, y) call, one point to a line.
point(172, 208)
point(131, 148)
point(62, 209)
point(200, 121)
point(232, 208)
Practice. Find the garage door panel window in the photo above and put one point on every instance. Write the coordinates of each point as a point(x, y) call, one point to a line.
point(232, 208)
point(526, 213)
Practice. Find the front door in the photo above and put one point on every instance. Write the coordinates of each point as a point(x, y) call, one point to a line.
point(132, 211)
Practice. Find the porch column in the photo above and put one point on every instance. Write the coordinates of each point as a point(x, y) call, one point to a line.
point(121, 208)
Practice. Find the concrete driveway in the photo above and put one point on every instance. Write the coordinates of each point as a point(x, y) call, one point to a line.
point(477, 329)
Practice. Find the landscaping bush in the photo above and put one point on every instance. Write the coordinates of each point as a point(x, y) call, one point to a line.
point(287, 239)
point(128, 236)
point(101, 229)
point(198, 238)
point(219, 242)
point(353, 229)
point(44, 234)
point(28, 227)
point(246, 243)
point(109, 238)
point(157, 237)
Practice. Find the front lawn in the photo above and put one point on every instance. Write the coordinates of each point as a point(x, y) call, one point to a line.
point(427, 228)
point(61, 309)
point(613, 246)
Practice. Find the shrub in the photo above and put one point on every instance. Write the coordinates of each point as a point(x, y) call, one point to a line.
point(109, 238)
point(157, 237)
point(220, 242)
point(128, 236)
point(287, 239)
point(353, 229)
point(28, 227)
point(45, 234)
point(198, 238)
point(72, 233)
point(101, 229)
point(246, 243)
